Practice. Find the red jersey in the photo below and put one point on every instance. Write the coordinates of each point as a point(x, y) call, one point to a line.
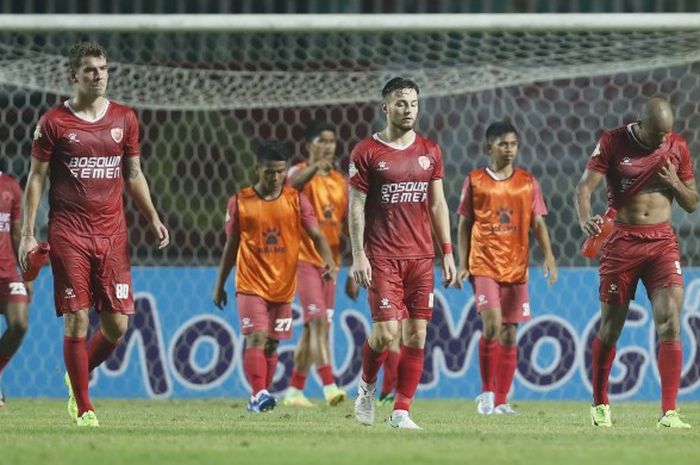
point(397, 213)
point(270, 235)
point(10, 211)
point(622, 157)
point(329, 196)
point(86, 167)
point(502, 211)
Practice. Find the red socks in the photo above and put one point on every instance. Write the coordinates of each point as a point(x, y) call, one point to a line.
point(602, 356)
point(391, 375)
point(409, 373)
point(298, 379)
point(507, 363)
point(670, 365)
point(4, 360)
point(255, 367)
point(271, 361)
point(488, 361)
point(76, 359)
point(99, 350)
point(326, 374)
point(371, 362)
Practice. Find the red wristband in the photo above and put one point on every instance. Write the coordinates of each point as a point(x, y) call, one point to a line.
point(446, 248)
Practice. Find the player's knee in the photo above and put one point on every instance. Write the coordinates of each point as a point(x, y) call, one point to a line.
point(317, 326)
point(271, 346)
point(491, 330)
point(415, 338)
point(669, 328)
point(383, 337)
point(508, 335)
point(255, 340)
point(18, 327)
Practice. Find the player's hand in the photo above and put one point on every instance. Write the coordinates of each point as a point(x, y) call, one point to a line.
point(592, 226)
point(161, 232)
point(219, 298)
point(449, 270)
point(352, 290)
point(361, 270)
point(29, 286)
point(26, 244)
point(668, 174)
point(462, 276)
point(330, 272)
point(550, 270)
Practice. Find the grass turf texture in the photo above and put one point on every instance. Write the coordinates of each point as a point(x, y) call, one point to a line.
point(221, 431)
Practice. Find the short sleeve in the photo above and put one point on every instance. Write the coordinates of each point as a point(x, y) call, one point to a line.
point(231, 223)
point(438, 172)
point(685, 167)
point(308, 216)
point(539, 207)
point(358, 168)
point(466, 208)
point(292, 173)
point(44, 140)
point(600, 158)
point(131, 147)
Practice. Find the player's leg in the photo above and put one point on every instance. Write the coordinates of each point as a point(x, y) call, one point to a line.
point(75, 356)
point(310, 293)
point(17, 319)
point(385, 295)
point(487, 298)
point(419, 284)
point(505, 370)
point(324, 364)
point(254, 321)
point(106, 338)
point(271, 359)
point(294, 397)
point(391, 376)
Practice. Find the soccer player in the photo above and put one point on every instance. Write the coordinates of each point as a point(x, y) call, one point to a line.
point(499, 205)
point(326, 188)
point(646, 166)
point(395, 196)
point(14, 293)
point(88, 147)
point(264, 225)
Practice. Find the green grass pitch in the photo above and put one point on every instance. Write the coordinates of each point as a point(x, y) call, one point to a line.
point(221, 431)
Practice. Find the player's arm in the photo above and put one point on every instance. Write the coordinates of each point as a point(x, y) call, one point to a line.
point(440, 219)
point(685, 192)
point(300, 178)
point(324, 250)
point(542, 237)
point(228, 261)
point(38, 171)
point(464, 239)
point(352, 290)
point(589, 182)
point(137, 186)
point(361, 270)
point(16, 235)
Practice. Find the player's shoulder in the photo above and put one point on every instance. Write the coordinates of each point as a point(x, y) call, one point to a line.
point(367, 144)
point(426, 142)
point(56, 114)
point(676, 139)
point(117, 107)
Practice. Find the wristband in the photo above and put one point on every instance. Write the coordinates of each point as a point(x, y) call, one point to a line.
point(446, 248)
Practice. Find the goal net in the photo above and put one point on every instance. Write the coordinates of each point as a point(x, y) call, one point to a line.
point(204, 99)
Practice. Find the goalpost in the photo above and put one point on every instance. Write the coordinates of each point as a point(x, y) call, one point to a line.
point(209, 87)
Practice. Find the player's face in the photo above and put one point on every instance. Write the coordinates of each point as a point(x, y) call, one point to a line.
point(504, 149)
point(401, 108)
point(322, 147)
point(272, 175)
point(92, 76)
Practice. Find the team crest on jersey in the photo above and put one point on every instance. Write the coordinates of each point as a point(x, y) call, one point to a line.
point(73, 138)
point(37, 132)
point(382, 166)
point(424, 162)
point(626, 161)
point(117, 134)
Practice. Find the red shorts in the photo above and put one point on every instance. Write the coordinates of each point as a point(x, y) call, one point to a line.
point(317, 295)
point(512, 298)
point(649, 252)
point(257, 314)
point(401, 288)
point(12, 289)
point(91, 272)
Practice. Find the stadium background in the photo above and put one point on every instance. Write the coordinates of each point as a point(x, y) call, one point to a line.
point(559, 89)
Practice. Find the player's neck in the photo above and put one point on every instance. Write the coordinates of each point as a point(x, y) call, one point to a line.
point(265, 193)
point(502, 171)
point(88, 107)
point(398, 137)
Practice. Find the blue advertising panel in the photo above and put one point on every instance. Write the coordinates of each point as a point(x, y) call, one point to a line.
point(180, 345)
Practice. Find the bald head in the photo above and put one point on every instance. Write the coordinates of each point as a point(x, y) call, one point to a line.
point(655, 121)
